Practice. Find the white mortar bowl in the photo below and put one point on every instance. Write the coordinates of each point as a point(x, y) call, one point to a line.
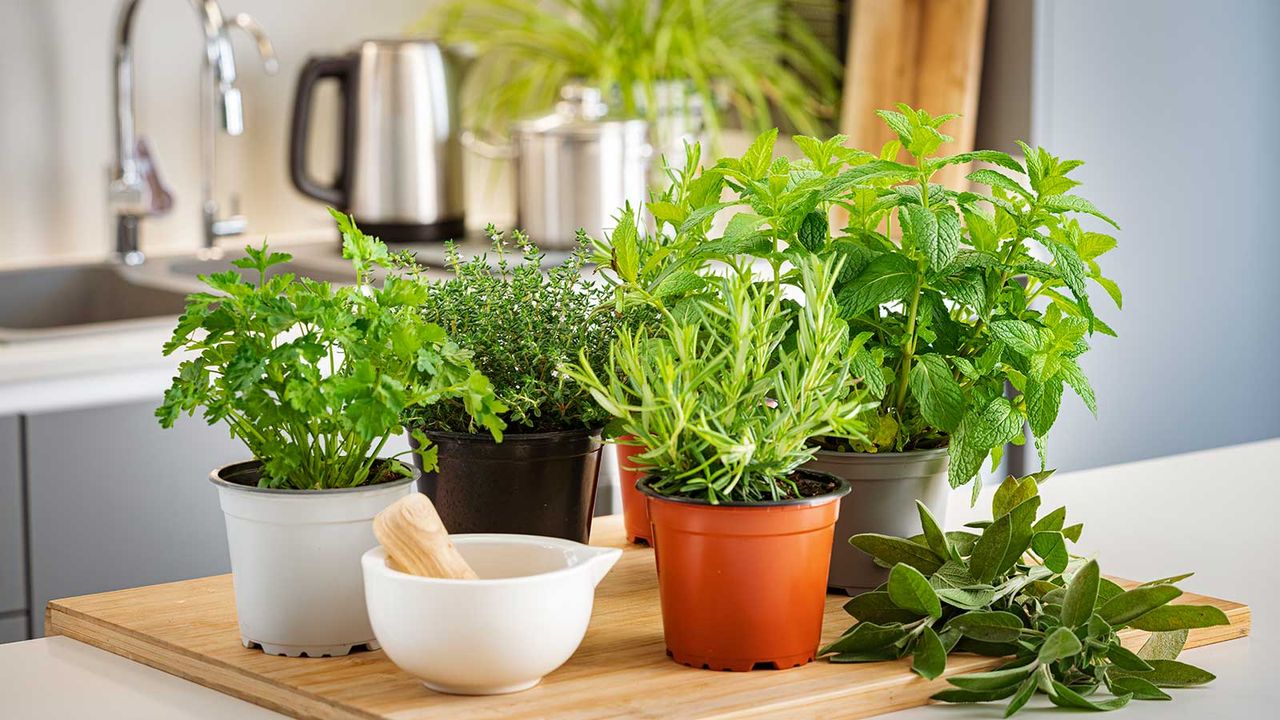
point(502, 633)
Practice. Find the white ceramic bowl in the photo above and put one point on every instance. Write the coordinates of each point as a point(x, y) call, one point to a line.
point(523, 618)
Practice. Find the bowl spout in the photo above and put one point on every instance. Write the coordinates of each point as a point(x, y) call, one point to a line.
point(599, 561)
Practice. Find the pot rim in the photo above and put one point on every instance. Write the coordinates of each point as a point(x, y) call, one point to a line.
point(486, 438)
point(928, 453)
point(843, 488)
point(215, 477)
point(377, 556)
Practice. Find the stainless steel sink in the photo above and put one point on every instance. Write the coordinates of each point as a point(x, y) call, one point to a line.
point(69, 300)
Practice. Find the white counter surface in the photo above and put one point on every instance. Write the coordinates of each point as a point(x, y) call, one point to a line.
point(1214, 512)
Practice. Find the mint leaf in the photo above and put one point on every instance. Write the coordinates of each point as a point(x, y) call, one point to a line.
point(941, 400)
point(888, 277)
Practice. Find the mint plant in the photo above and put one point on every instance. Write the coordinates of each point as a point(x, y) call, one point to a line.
point(1013, 590)
point(315, 378)
point(520, 323)
point(727, 396)
point(948, 295)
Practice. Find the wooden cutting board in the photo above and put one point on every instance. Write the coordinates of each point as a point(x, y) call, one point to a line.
point(621, 670)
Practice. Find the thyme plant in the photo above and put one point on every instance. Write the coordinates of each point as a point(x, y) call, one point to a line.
point(519, 324)
point(314, 378)
point(726, 398)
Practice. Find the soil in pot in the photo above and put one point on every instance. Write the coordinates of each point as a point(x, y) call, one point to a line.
point(744, 586)
point(295, 560)
point(529, 484)
point(635, 516)
point(885, 487)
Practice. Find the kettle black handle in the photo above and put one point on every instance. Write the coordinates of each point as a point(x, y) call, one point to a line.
point(341, 69)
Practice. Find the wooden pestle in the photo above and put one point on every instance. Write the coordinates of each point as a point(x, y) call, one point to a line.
point(417, 541)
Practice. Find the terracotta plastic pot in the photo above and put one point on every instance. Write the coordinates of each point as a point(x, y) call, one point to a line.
point(635, 517)
point(743, 585)
point(529, 484)
point(885, 488)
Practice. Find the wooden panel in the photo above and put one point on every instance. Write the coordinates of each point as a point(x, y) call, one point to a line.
point(926, 53)
point(189, 629)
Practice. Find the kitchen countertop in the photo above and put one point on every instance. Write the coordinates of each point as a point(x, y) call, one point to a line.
point(1145, 520)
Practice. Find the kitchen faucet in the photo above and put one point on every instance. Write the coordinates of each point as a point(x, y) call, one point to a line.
point(135, 189)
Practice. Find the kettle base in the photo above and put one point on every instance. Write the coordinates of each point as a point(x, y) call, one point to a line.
point(454, 229)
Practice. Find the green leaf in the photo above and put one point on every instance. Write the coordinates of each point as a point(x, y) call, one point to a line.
point(996, 179)
point(932, 384)
point(933, 534)
point(1012, 493)
point(877, 607)
point(1052, 548)
point(1133, 604)
point(949, 234)
point(996, 626)
point(993, 679)
point(1081, 596)
point(626, 250)
point(1171, 673)
point(892, 550)
point(1044, 398)
point(1180, 617)
point(1052, 521)
point(973, 696)
point(865, 637)
point(760, 155)
point(1020, 698)
point(1063, 696)
point(679, 283)
point(1137, 687)
point(995, 157)
point(1075, 377)
point(930, 657)
point(1022, 337)
point(909, 589)
point(989, 551)
point(1163, 645)
point(1126, 659)
point(1058, 645)
point(889, 277)
point(813, 231)
point(1074, 203)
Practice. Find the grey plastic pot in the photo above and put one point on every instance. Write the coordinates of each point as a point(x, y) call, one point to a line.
point(885, 488)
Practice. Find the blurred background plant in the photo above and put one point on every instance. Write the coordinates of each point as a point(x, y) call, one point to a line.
point(757, 60)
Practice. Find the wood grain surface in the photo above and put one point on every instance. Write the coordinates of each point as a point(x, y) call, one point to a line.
point(621, 670)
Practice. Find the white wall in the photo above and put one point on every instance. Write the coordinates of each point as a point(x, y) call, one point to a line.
point(55, 122)
point(1174, 104)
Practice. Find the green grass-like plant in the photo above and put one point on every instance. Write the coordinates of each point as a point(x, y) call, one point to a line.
point(314, 378)
point(1012, 590)
point(520, 321)
point(727, 396)
point(757, 52)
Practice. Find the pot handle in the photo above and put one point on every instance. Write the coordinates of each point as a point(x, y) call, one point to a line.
point(487, 148)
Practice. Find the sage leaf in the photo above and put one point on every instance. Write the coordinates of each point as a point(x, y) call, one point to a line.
point(1059, 644)
point(997, 626)
point(1052, 548)
point(879, 655)
point(1125, 659)
point(989, 551)
point(1020, 698)
point(1012, 493)
point(973, 696)
point(866, 636)
point(877, 607)
point(1163, 645)
point(1180, 617)
point(909, 589)
point(993, 679)
point(1124, 608)
point(1020, 520)
point(891, 551)
point(967, 598)
point(1081, 595)
point(1167, 581)
point(1063, 696)
point(930, 657)
point(1051, 522)
point(1172, 674)
point(933, 534)
point(1136, 686)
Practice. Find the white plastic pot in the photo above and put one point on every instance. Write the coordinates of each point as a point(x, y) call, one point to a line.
point(295, 561)
point(502, 633)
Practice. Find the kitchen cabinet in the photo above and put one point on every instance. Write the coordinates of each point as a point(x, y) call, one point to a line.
point(116, 501)
point(13, 551)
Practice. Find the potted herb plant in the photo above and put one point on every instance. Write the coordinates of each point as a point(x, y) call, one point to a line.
point(313, 379)
point(950, 296)
point(725, 399)
point(676, 63)
point(519, 322)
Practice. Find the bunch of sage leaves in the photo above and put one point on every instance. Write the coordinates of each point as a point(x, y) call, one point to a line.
point(1013, 590)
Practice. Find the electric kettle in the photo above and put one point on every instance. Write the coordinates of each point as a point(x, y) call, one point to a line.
point(400, 162)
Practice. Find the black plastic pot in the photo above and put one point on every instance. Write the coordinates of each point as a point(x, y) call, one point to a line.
point(530, 483)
